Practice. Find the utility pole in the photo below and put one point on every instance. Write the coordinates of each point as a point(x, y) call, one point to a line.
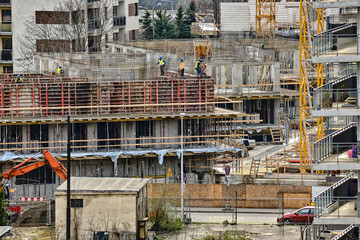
point(182, 165)
point(68, 206)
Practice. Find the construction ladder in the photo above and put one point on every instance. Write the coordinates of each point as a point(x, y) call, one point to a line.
point(276, 135)
point(254, 168)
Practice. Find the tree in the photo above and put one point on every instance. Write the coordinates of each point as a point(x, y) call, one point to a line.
point(84, 30)
point(147, 30)
point(164, 28)
point(190, 17)
point(3, 215)
point(181, 28)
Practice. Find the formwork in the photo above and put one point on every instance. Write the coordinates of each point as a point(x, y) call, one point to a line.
point(51, 96)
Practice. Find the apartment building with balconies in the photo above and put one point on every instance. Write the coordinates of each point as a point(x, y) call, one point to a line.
point(337, 215)
point(6, 64)
point(70, 26)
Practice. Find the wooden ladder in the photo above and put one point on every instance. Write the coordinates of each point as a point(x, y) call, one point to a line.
point(276, 135)
point(254, 169)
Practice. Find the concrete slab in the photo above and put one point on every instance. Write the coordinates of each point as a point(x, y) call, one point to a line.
point(336, 4)
point(340, 58)
point(336, 112)
point(334, 166)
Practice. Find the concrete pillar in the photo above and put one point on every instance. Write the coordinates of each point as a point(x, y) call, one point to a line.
point(92, 134)
point(25, 137)
point(275, 75)
point(276, 111)
point(237, 77)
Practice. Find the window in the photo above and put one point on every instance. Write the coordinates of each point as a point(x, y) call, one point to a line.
point(6, 16)
point(79, 133)
point(7, 44)
point(116, 37)
point(93, 13)
point(136, 9)
point(76, 203)
point(8, 69)
point(133, 35)
point(131, 10)
point(115, 10)
point(303, 211)
point(109, 130)
point(52, 17)
point(311, 210)
point(77, 17)
point(39, 133)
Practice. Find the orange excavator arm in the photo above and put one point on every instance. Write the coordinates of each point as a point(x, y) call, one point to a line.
point(20, 169)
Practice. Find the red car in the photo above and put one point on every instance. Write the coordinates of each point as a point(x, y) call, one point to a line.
point(302, 215)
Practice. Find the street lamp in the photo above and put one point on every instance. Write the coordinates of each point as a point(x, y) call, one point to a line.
point(172, 6)
point(153, 21)
point(182, 165)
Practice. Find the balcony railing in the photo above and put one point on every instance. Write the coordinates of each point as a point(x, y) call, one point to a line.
point(5, 28)
point(326, 198)
point(5, 2)
point(336, 98)
point(119, 21)
point(94, 24)
point(330, 44)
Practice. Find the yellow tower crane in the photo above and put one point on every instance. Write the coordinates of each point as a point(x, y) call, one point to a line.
point(308, 124)
point(265, 18)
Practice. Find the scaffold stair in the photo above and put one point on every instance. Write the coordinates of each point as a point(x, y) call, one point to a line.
point(276, 135)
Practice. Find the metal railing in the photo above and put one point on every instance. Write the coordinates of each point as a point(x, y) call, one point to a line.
point(332, 44)
point(342, 98)
point(344, 232)
point(325, 198)
point(119, 21)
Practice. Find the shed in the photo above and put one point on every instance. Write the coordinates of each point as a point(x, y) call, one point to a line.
point(103, 208)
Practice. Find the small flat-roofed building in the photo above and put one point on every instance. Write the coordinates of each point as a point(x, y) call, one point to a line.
point(103, 206)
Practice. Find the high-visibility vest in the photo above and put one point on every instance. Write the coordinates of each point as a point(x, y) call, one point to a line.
point(198, 65)
point(182, 65)
point(59, 71)
point(161, 62)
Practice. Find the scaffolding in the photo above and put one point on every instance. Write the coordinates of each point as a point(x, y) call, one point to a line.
point(45, 96)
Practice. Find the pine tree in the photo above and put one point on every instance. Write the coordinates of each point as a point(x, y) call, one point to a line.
point(3, 215)
point(190, 17)
point(181, 28)
point(147, 30)
point(164, 27)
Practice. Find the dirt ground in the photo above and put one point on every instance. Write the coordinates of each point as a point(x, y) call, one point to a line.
point(191, 232)
point(31, 233)
point(36, 215)
point(259, 231)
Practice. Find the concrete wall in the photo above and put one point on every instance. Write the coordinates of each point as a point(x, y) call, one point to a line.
point(101, 212)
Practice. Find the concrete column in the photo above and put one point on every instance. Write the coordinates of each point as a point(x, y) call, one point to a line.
point(25, 137)
point(276, 111)
point(92, 134)
point(275, 75)
point(237, 77)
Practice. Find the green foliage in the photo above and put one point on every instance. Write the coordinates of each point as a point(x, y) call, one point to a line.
point(3, 215)
point(181, 28)
point(190, 17)
point(147, 30)
point(226, 235)
point(164, 27)
point(162, 219)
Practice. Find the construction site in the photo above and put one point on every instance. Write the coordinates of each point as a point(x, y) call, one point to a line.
point(263, 142)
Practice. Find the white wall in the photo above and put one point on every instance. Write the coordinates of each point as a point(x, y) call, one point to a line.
point(21, 11)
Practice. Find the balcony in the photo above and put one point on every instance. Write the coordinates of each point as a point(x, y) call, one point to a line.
point(119, 21)
point(5, 2)
point(5, 28)
point(93, 24)
point(337, 204)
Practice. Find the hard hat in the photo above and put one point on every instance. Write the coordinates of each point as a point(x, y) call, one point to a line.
point(181, 59)
point(60, 66)
point(160, 57)
point(201, 60)
point(18, 76)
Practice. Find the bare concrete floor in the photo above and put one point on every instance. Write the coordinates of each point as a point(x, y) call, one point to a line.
point(258, 231)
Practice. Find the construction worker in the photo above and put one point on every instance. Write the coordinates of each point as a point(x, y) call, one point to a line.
point(198, 68)
point(162, 64)
point(59, 71)
point(203, 67)
point(18, 79)
point(182, 68)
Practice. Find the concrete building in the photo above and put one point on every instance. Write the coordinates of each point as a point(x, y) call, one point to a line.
point(113, 207)
point(74, 26)
point(337, 213)
point(6, 63)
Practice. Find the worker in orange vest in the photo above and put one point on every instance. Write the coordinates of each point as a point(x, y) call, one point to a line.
point(182, 68)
